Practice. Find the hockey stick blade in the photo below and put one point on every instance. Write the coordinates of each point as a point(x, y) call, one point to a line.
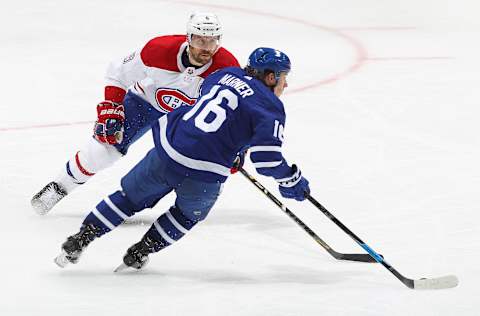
point(444, 282)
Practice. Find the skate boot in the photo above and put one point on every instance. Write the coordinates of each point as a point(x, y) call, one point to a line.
point(51, 194)
point(137, 255)
point(75, 244)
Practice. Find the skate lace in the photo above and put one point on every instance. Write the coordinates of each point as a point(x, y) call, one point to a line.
point(152, 245)
point(143, 249)
point(87, 235)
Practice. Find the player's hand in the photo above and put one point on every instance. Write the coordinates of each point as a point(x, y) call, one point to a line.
point(109, 125)
point(296, 187)
point(238, 162)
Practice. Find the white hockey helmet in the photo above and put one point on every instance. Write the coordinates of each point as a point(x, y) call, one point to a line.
point(204, 24)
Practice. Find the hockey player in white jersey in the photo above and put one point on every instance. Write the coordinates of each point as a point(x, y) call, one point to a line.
point(167, 73)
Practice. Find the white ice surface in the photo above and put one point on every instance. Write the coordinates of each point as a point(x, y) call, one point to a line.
point(383, 111)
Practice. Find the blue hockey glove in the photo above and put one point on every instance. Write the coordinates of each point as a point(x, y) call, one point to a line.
point(294, 187)
point(238, 162)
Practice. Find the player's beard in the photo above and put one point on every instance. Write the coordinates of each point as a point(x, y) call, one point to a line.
point(200, 56)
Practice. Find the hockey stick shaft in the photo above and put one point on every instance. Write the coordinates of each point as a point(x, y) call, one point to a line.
point(435, 283)
point(337, 255)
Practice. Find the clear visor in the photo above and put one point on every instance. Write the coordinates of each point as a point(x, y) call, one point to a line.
point(210, 43)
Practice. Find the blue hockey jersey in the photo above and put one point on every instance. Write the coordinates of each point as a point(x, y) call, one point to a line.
point(234, 112)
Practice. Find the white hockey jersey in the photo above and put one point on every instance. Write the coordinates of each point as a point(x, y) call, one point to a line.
point(156, 73)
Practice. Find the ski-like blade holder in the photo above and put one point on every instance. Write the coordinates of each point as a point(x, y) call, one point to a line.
point(444, 282)
point(358, 257)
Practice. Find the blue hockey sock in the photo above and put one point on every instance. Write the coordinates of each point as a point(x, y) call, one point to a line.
point(110, 212)
point(169, 227)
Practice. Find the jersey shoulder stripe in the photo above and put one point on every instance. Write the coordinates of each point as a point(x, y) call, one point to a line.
point(161, 52)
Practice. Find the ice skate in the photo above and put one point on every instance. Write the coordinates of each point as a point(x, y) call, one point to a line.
point(48, 197)
point(137, 255)
point(75, 244)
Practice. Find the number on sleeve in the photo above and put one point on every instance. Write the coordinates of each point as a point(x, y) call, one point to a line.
point(278, 130)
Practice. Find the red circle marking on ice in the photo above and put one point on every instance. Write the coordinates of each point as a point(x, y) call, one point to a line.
point(360, 51)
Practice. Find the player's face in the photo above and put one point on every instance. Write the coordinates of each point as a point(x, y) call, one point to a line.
point(202, 48)
point(281, 84)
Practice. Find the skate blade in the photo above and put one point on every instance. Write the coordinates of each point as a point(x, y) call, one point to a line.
point(121, 268)
point(61, 260)
point(124, 267)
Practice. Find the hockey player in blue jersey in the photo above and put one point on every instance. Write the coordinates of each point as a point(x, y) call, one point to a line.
point(194, 151)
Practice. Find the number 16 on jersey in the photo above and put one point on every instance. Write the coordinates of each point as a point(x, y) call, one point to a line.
point(213, 105)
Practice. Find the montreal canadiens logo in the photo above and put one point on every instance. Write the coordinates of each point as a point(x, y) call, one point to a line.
point(171, 99)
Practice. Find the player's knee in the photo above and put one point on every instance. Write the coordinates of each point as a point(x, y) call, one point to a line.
point(195, 199)
point(196, 215)
point(197, 206)
point(196, 210)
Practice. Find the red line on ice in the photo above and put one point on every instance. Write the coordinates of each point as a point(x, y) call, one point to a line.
point(20, 128)
point(361, 52)
point(378, 28)
point(410, 58)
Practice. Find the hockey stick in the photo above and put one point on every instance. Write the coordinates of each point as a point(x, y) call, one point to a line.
point(361, 257)
point(421, 284)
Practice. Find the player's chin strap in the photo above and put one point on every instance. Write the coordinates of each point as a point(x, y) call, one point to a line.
point(423, 284)
point(361, 257)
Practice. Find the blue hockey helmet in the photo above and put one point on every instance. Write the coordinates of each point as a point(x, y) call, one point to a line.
point(264, 58)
